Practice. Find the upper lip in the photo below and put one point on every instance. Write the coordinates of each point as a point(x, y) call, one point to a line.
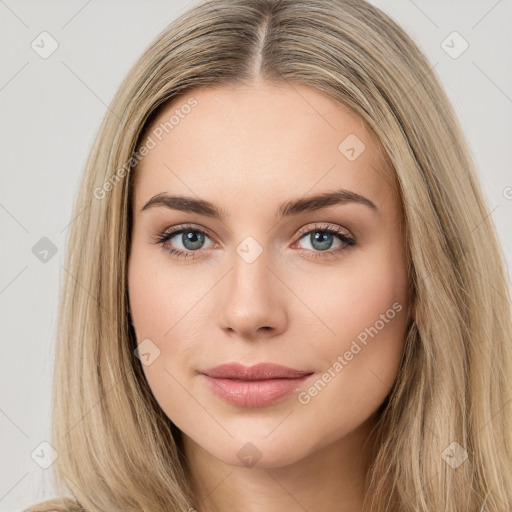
point(260, 371)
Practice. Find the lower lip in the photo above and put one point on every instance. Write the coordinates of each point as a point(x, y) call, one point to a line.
point(255, 393)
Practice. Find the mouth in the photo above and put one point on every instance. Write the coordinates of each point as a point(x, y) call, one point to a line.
point(254, 386)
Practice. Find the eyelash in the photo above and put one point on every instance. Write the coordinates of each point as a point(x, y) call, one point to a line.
point(163, 237)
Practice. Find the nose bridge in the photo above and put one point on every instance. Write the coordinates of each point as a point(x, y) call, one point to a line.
point(250, 268)
point(250, 297)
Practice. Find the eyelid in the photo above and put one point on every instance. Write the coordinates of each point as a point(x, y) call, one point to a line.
point(320, 226)
point(324, 226)
point(185, 227)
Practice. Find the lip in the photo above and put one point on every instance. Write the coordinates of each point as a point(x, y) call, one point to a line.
point(253, 386)
point(260, 371)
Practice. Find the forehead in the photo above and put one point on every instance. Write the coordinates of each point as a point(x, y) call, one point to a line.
point(260, 141)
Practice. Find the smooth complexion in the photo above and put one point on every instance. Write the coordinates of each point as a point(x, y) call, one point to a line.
point(247, 151)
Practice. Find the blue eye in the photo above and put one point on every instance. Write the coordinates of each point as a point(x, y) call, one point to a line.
point(192, 240)
point(321, 238)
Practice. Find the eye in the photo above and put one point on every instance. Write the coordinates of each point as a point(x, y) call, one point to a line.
point(191, 239)
point(322, 237)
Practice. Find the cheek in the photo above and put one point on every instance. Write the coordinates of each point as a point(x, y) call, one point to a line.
point(159, 296)
point(351, 298)
point(367, 312)
point(149, 297)
point(162, 309)
point(363, 313)
point(167, 305)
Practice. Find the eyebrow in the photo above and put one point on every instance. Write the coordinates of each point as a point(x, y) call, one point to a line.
point(287, 209)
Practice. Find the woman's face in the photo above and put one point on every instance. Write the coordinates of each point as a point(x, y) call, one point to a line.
point(271, 269)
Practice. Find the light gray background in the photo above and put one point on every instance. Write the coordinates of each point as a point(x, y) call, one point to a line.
point(51, 109)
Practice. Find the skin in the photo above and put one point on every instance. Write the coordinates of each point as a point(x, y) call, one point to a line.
point(247, 149)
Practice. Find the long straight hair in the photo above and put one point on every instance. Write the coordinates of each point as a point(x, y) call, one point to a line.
point(117, 449)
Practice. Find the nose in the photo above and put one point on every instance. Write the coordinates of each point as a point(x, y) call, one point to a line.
point(252, 299)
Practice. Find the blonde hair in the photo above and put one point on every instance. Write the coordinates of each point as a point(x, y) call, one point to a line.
point(117, 449)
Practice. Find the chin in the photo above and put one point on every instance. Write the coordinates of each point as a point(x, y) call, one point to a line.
point(261, 452)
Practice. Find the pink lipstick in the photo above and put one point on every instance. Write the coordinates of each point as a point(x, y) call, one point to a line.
point(253, 386)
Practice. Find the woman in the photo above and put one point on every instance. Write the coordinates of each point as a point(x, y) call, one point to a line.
point(284, 291)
